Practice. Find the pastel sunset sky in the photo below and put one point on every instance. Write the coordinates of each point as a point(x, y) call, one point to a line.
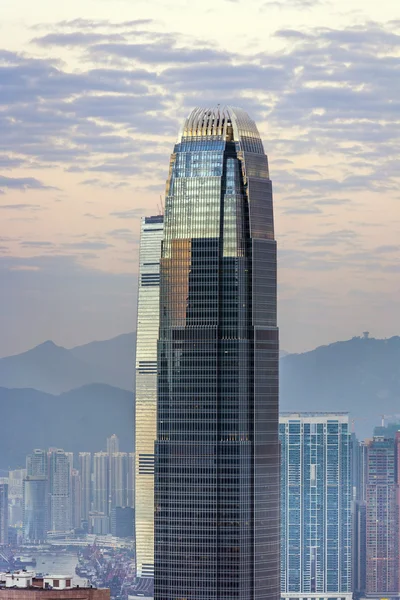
point(92, 95)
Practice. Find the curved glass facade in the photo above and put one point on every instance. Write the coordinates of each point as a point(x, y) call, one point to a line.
point(217, 449)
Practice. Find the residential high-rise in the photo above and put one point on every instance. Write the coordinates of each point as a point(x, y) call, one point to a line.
point(316, 517)
point(3, 511)
point(85, 470)
point(101, 482)
point(217, 449)
point(35, 509)
point(359, 460)
point(15, 496)
point(36, 463)
point(146, 390)
point(76, 499)
point(118, 468)
point(112, 444)
point(382, 518)
point(59, 490)
point(130, 492)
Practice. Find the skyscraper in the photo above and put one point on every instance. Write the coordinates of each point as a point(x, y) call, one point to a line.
point(146, 390)
point(35, 508)
point(112, 444)
point(85, 470)
point(131, 480)
point(382, 518)
point(59, 490)
point(36, 463)
point(217, 449)
point(3, 511)
point(119, 465)
point(316, 495)
point(15, 496)
point(359, 460)
point(76, 499)
point(101, 482)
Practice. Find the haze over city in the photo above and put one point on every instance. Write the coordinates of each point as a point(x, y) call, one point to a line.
point(93, 95)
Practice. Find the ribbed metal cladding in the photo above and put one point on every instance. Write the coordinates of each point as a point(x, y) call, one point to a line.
point(217, 449)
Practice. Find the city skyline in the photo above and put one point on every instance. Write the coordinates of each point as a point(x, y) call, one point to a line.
point(90, 110)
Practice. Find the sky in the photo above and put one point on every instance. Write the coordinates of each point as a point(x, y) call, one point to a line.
point(92, 95)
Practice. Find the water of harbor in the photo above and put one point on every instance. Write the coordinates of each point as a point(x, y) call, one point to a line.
point(58, 563)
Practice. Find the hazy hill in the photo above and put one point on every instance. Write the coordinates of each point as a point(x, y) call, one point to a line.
point(360, 375)
point(77, 421)
point(116, 357)
point(53, 369)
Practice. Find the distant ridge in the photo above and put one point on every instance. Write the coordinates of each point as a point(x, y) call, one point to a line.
point(361, 375)
point(54, 369)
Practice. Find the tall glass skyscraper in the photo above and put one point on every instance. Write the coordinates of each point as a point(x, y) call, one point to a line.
point(315, 506)
point(146, 391)
point(217, 449)
point(60, 490)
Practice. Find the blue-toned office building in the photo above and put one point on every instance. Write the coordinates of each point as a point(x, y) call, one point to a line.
point(217, 449)
point(316, 497)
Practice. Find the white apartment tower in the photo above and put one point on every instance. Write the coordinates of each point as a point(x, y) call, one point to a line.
point(146, 390)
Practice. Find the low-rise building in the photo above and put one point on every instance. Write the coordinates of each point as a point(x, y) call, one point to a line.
point(26, 585)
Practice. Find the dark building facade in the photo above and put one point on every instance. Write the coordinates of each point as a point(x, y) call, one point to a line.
point(217, 449)
point(122, 521)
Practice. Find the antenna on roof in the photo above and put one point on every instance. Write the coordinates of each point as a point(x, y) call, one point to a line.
point(161, 206)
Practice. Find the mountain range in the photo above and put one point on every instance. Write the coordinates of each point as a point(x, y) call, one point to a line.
point(75, 398)
point(54, 369)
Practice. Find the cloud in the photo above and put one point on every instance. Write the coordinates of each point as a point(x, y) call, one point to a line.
point(21, 207)
point(82, 24)
point(301, 210)
point(333, 238)
point(88, 245)
point(36, 244)
point(75, 38)
point(123, 234)
point(131, 213)
point(387, 249)
point(114, 185)
point(295, 4)
point(164, 51)
point(92, 216)
point(23, 183)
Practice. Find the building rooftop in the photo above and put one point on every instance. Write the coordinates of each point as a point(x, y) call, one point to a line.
point(29, 580)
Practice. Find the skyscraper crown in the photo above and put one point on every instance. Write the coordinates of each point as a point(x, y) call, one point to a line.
point(229, 123)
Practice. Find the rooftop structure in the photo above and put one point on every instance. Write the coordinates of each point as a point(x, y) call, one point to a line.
point(26, 585)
